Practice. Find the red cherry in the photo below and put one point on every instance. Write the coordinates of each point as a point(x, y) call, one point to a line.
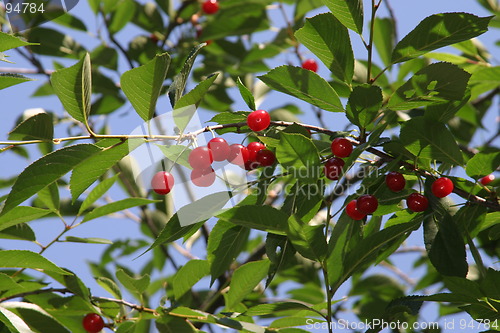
point(265, 157)
point(442, 187)
point(210, 7)
point(341, 147)
point(353, 211)
point(200, 158)
point(153, 38)
point(258, 120)
point(162, 182)
point(311, 65)
point(487, 179)
point(93, 323)
point(417, 202)
point(333, 168)
point(203, 177)
point(219, 148)
point(395, 181)
point(238, 154)
point(367, 204)
point(253, 148)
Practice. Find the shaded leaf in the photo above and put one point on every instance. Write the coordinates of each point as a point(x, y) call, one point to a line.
point(116, 207)
point(482, 164)
point(245, 278)
point(189, 274)
point(21, 214)
point(246, 94)
point(349, 12)
point(8, 41)
point(308, 240)
point(363, 105)
point(264, 218)
point(176, 89)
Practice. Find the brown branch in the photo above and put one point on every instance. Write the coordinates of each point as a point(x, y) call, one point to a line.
point(37, 292)
point(139, 308)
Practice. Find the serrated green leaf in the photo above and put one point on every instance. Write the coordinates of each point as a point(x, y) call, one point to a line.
point(133, 284)
point(116, 207)
point(38, 127)
point(299, 156)
point(142, 85)
point(19, 232)
point(437, 83)
point(305, 85)
point(95, 166)
point(189, 274)
point(230, 117)
point(73, 86)
point(245, 278)
point(28, 259)
point(96, 193)
point(224, 245)
point(176, 89)
point(439, 30)
point(329, 40)
point(383, 38)
point(349, 12)
point(45, 171)
point(264, 218)
point(177, 154)
point(430, 140)
point(308, 240)
point(110, 286)
point(364, 104)
point(9, 80)
point(482, 164)
point(21, 214)
point(49, 196)
point(8, 42)
point(483, 80)
point(246, 95)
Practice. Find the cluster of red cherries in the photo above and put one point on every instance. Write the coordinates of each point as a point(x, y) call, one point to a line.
point(253, 156)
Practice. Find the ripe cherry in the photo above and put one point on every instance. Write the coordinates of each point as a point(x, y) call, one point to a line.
point(311, 65)
point(258, 120)
point(395, 181)
point(487, 179)
point(238, 154)
point(442, 187)
point(265, 157)
point(219, 148)
point(153, 38)
point(162, 182)
point(333, 168)
point(417, 202)
point(253, 148)
point(367, 204)
point(200, 158)
point(353, 211)
point(341, 147)
point(210, 7)
point(203, 177)
point(93, 323)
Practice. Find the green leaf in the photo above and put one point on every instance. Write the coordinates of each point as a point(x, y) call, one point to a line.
point(20, 232)
point(116, 207)
point(203, 208)
point(21, 214)
point(338, 246)
point(383, 38)
point(110, 286)
point(349, 12)
point(305, 85)
point(73, 86)
point(13, 322)
point(430, 140)
point(142, 85)
point(176, 89)
point(97, 192)
point(8, 42)
point(95, 166)
point(28, 259)
point(9, 80)
point(246, 95)
point(230, 117)
point(484, 79)
point(308, 240)
point(329, 40)
point(133, 284)
point(265, 218)
point(171, 324)
point(38, 127)
point(275, 308)
point(177, 154)
point(88, 240)
point(45, 171)
point(482, 164)
point(245, 278)
point(123, 14)
point(299, 156)
point(437, 83)
point(447, 253)
point(437, 31)
point(364, 104)
point(224, 245)
point(189, 274)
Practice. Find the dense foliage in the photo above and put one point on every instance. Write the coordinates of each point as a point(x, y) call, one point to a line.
point(309, 217)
